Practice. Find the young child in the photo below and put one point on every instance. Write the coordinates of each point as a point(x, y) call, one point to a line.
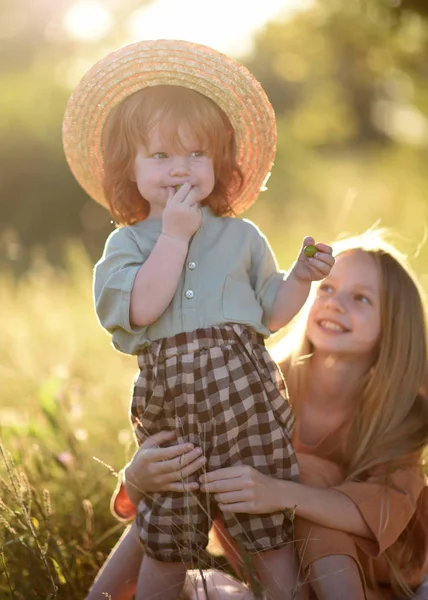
point(176, 139)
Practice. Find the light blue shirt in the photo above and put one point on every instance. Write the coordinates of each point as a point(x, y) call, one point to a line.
point(230, 276)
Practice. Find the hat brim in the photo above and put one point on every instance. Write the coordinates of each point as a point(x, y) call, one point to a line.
point(170, 62)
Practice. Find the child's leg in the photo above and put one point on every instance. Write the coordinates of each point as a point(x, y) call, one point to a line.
point(278, 573)
point(336, 578)
point(117, 578)
point(160, 580)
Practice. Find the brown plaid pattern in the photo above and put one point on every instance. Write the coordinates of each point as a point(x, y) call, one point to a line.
point(219, 389)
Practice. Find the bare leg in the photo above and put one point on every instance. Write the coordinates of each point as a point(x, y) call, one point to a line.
point(160, 580)
point(336, 578)
point(278, 572)
point(118, 576)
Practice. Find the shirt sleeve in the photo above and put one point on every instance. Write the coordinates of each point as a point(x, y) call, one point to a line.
point(114, 277)
point(386, 508)
point(264, 273)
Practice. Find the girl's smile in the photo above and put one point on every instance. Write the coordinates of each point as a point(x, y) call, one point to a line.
point(345, 316)
point(332, 326)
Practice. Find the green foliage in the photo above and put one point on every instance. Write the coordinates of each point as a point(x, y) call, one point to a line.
point(349, 85)
point(51, 544)
point(348, 81)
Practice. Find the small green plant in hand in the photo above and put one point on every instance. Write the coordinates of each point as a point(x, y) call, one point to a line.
point(310, 250)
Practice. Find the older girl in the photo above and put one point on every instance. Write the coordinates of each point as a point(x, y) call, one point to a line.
point(358, 380)
point(357, 372)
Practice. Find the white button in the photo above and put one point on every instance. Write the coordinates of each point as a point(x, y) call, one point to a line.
point(191, 265)
point(189, 294)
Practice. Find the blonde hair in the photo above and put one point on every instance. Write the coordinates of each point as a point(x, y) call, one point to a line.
point(390, 427)
point(127, 127)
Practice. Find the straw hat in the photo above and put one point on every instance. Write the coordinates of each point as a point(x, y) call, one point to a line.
point(170, 62)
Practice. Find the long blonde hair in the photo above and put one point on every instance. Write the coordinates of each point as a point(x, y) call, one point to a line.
point(390, 427)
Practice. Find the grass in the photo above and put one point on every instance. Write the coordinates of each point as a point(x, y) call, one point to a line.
point(64, 396)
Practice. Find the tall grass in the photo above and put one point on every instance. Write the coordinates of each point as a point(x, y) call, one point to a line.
point(63, 398)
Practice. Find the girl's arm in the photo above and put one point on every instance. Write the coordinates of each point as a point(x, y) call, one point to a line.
point(243, 489)
point(156, 469)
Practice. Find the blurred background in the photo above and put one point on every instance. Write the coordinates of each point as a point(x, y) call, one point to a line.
point(349, 85)
point(348, 81)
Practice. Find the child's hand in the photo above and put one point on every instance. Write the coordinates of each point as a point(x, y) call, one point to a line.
point(316, 267)
point(182, 215)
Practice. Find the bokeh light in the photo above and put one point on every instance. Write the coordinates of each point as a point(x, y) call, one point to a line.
point(87, 20)
point(224, 25)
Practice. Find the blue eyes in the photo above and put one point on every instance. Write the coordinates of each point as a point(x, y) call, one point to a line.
point(326, 289)
point(361, 298)
point(163, 155)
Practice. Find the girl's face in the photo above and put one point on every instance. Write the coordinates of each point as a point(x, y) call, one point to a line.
point(159, 167)
point(345, 317)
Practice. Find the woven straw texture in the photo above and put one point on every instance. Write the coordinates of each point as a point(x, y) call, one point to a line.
point(170, 62)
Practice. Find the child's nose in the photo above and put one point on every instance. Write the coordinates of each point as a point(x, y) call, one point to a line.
point(180, 166)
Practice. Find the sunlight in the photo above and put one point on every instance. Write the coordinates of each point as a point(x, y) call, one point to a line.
point(224, 25)
point(87, 20)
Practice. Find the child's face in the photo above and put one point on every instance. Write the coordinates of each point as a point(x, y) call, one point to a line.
point(159, 167)
point(345, 317)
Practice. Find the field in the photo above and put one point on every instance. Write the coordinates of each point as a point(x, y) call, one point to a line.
point(63, 414)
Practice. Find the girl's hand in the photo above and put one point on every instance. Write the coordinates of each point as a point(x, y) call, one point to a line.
point(182, 215)
point(243, 489)
point(316, 267)
point(155, 469)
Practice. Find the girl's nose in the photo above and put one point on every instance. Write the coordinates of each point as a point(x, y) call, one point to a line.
point(180, 166)
point(336, 302)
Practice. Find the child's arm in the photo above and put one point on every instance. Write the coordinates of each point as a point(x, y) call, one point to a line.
point(281, 295)
point(294, 289)
point(157, 279)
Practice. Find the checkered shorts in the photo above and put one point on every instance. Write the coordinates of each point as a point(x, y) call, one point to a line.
point(220, 390)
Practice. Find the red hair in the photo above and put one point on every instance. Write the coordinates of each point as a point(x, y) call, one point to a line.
point(127, 127)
